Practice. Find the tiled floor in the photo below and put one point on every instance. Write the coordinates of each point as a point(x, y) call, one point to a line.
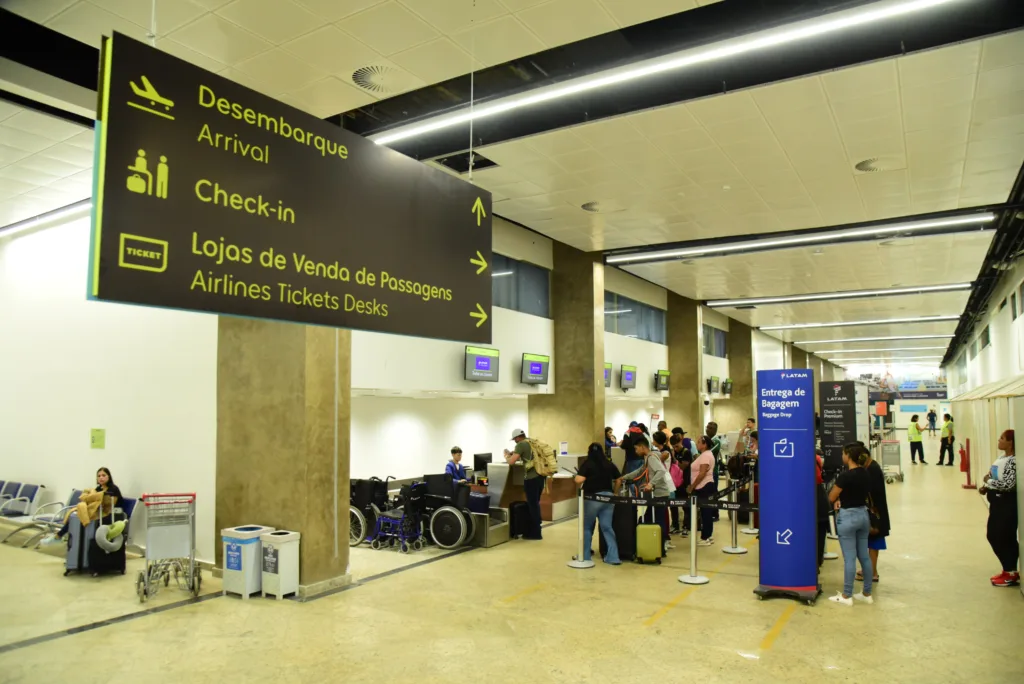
point(516, 613)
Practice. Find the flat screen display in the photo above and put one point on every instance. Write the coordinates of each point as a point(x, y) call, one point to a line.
point(627, 377)
point(713, 384)
point(481, 364)
point(535, 369)
point(607, 375)
point(661, 380)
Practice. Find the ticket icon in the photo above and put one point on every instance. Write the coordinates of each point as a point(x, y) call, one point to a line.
point(142, 253)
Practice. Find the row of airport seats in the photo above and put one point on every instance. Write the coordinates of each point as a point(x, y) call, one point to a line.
point(17, 499)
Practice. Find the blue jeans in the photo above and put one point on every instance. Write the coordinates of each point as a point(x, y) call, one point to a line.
point(599, 512)
point(854, 526)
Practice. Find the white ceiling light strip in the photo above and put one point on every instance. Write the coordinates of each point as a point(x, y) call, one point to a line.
point(799, 240)
point(877, 339)
point(71, 212)
point(827, 296)
point(755, 42)
point(841, 324)
point(877, 350)
point(882, 359)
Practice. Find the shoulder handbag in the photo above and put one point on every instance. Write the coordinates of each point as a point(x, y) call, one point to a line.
point(874, 519)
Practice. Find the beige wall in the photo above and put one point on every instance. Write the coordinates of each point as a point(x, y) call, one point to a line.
point(732, 413)
point(683, 405)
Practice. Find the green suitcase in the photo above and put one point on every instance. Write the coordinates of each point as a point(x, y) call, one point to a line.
point(648, 543)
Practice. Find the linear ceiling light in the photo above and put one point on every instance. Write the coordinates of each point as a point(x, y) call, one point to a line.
point(871, 351)
point(620, 311)
point(843, 324)
point(68, 213)
point(907, 358)
point(878, 339)
point(755, 42)
point(826, 296)
point(499, 274)
point(798, 240)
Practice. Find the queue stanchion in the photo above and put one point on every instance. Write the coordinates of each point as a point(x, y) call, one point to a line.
point(750, 529)
point(577, 561)
point(735, 549)
point(693, 577)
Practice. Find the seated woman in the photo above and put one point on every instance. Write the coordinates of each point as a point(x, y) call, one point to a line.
point(105, 494)
point(455, 467)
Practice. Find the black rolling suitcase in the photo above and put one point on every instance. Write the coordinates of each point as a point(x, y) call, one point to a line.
point(102, 562)
point(624, 523)
point(519, 519)
point(77, 558)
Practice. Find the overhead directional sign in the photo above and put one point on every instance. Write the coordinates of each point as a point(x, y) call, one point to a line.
point(213, 197)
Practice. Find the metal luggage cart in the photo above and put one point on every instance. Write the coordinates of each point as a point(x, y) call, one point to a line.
point(891, 466)
point(170, 544)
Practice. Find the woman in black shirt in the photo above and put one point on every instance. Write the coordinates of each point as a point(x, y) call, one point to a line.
point(596, 476)
point(852, 522)
point(876, 542)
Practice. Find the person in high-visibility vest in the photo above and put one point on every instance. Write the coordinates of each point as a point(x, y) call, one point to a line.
point(946, 438)
point(914, 435)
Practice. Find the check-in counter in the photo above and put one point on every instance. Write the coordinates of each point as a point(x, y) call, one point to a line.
point(505, 486)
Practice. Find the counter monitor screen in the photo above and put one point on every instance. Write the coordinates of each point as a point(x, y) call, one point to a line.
point(661, 380)
point(481, 364)
point(627, 377)
point(480, 462)
point(607, 375)
point(535, 369)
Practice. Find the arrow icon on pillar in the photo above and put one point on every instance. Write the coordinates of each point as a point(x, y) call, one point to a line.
point(482, 315)
point(478, 209)
point(783, 537)
point(479, 261)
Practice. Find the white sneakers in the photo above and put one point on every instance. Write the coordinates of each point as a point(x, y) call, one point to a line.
point(706, 542)
point(839, 598)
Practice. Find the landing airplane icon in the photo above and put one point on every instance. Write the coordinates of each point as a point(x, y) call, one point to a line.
point(149, 93)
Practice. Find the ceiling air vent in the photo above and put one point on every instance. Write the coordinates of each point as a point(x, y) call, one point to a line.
point(381, 79)
point(876, 164)
point(460, 162)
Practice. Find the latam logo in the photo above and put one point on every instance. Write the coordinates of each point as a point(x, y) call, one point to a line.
point(786, 376)
point(836, 389)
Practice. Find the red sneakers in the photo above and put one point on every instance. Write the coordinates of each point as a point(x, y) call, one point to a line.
point(1006, 579)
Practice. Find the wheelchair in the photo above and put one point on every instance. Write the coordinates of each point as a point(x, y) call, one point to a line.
point(450, 522)
point(402, 525)
point(367, 500)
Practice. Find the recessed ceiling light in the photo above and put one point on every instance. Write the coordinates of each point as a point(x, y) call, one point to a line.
point(759, 41)
point(825, 296)
point(880, 358)
point(970, 221)
point(878, 339)
point(843, 324)
point(895, 349)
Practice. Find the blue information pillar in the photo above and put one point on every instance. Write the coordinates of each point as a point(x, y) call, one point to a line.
point(785, 406)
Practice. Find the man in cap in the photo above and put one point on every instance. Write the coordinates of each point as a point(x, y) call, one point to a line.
point(533, 483)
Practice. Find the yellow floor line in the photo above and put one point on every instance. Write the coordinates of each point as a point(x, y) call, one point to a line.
point(524, 592)
point(777, 628)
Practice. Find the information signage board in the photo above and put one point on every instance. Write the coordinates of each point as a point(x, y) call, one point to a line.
point(788, 519)
point(838, 403)
point(212, 197)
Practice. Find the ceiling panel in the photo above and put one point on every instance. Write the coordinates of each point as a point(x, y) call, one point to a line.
point(866, 309)
point(934, 260)
point(415, 42)
point(45, 163)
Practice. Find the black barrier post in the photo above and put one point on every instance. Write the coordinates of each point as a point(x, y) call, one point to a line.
point(735, 548)
point(577, 561)
point(750, 529)
point(693, 577)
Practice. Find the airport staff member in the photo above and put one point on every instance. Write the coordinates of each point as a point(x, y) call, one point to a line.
point(455, 467)
point(533, 483)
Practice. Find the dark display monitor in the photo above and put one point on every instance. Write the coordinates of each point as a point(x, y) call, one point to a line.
point(535, 369)
point(727, 386)
point(482, 364)
point(607, 375)
point(661, 380)
point(480, 462)
point(713, 384)
point(627, 377)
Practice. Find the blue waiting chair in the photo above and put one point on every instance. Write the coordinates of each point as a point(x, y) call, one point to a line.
point(8, 491)
point(22, 504)
point(44, 522)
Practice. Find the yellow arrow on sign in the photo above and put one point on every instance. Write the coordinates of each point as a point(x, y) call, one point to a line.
point(482, 315)
point(479, 261)
point(478, 209)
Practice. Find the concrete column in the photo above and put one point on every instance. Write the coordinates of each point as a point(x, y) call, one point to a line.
point(799, 358)
point(283, 414)
point(732, 413)
point(685, 335)
point(814, 363)
point(575, 412)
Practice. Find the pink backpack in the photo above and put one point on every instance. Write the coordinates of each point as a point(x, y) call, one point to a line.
point(676, 473)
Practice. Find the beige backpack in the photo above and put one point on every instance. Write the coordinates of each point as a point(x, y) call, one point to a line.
point(544, 460)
